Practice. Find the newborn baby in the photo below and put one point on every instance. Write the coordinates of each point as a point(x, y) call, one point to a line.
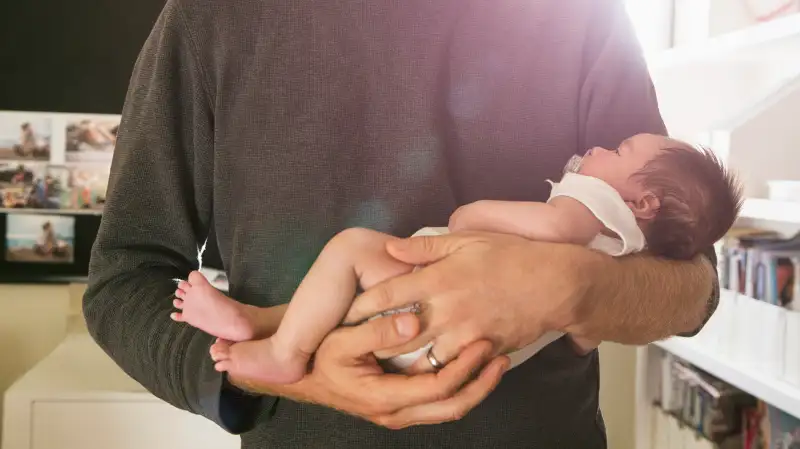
point(652, 192)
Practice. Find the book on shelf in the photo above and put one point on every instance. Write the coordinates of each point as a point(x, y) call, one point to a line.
point(762, 265)
point(721, 413)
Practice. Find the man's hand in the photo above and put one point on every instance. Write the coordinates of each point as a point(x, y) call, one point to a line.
point(512, 291)
point(504, 288)
point(345, 376)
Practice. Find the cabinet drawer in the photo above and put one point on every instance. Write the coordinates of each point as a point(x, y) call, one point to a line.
point(123, 425)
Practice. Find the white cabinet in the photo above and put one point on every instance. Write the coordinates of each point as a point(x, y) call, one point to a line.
point(77, 398)
point(121, 425)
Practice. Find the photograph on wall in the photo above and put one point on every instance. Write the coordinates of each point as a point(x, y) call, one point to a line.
point(91, 139)
point(40, 238)
point(54, 192)
point(17, 181)
point(87, 186)
point(34, 186)
point(25, 137)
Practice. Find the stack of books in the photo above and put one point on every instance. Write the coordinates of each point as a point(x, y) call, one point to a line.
point(710, 407)
point(721, 413)
point(762, 265)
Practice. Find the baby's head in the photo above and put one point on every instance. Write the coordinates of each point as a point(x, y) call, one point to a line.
point(683, 197)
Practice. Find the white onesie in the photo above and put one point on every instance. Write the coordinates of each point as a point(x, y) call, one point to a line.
point(607, 205)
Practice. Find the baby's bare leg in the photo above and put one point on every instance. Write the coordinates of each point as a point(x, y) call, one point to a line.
point(318, 306)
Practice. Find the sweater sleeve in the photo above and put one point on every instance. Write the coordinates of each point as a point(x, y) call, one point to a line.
point(618, 99)
point(159, 209)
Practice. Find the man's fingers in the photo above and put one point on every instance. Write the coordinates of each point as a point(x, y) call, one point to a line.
point(432, 387)
point(351, 343)
point(422, 339)
point(446, 346)
point(425, 249)
point(453, 408)
point(395, 293)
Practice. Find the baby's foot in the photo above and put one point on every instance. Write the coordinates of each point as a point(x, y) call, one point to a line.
point(260, 360)
point(209, 310)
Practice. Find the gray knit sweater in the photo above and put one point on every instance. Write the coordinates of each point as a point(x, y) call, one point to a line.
point(281, 122)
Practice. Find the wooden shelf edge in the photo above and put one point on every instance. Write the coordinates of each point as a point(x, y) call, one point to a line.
point(764, 209)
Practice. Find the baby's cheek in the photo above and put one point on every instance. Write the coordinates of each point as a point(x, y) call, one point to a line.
point(588, 168)
point(613, 174)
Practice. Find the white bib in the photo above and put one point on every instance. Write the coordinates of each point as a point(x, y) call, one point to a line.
point(608, 206)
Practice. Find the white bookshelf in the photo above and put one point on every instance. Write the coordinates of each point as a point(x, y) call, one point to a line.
point(738, 93)
point(717, 85)
point(747, 343)
point(768, 210)
point(769, 388)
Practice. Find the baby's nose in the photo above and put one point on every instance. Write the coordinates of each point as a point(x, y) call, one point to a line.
point(594, 150)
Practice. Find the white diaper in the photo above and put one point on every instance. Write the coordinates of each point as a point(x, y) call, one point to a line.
point(606, 204)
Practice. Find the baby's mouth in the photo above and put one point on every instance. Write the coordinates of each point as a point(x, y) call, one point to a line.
point(573, 164)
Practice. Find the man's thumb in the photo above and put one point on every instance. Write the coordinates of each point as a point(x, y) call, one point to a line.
point(420, 250)
point(378, 334)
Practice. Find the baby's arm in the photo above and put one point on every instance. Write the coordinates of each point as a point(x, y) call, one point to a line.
point(562, 220)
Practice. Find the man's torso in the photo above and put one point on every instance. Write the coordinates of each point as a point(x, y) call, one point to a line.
point(389, 115)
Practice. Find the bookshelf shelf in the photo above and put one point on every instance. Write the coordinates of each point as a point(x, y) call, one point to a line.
point(742, 44)
point(52, 211)
point(779, 211)
point(768, 388)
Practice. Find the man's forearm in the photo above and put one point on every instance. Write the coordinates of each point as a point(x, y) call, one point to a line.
point(640, 299)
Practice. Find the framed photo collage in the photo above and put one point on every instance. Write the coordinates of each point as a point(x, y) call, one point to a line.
point(54, 172)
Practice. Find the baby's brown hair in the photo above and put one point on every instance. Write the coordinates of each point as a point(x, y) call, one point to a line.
point(699, 200)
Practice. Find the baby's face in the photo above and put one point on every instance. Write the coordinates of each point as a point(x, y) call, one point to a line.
point(617, 166)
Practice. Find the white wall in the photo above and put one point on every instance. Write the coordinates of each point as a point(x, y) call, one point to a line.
point(693, 101)
point(618, 393)
point(33, 320)
point(765, 145)
point(652, 22)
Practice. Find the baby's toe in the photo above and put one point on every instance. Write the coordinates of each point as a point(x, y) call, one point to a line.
point(219, 351)
point(223, 366)
point(197, 279)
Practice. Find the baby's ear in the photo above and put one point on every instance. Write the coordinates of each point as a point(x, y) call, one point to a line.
point(646, 206)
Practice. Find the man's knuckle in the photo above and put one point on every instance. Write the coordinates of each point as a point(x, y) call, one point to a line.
point(446, 390)
point(384, 334)
point(471, 334)
point(385, 295)
point(345, 238)
point(458, 413)
point(428, 243)
point(437, 280)
point(387, 421)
